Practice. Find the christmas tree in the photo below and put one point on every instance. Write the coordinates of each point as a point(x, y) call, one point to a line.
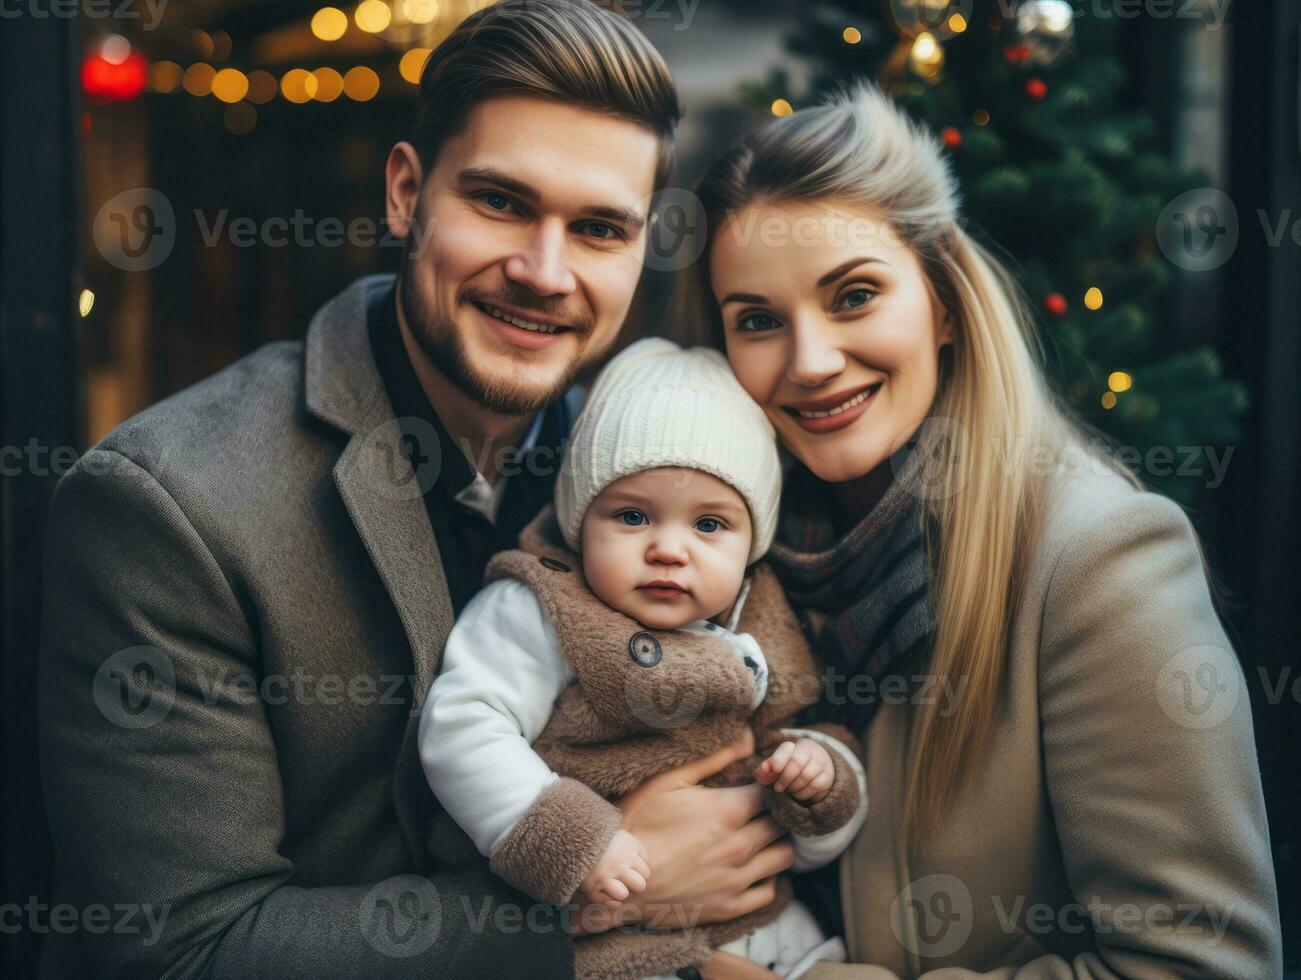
point(1064, 180)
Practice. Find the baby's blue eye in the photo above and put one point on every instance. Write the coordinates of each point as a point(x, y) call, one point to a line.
point(708, 525)
point(633, 518)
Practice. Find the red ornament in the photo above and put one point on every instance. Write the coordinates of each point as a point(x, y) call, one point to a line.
point(105, 81)
point(952, 138)
point(1055, 303)
point(1014, 54)
point(1036, 88)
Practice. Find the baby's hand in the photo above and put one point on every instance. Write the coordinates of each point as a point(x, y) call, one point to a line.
point(802, 768)
point(621, 871)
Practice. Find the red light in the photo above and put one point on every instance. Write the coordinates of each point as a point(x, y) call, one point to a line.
point(103, 81)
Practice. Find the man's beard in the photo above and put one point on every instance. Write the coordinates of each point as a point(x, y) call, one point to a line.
point(439, 339)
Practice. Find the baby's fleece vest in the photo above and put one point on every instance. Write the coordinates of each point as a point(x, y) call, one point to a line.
point(644, 701)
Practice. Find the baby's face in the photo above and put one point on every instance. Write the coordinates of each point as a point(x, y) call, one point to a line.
point(667, 546)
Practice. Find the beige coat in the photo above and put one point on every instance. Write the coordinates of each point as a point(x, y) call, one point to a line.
point(1117, 827)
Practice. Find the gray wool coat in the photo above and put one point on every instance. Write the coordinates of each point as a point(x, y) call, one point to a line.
point(244, 611)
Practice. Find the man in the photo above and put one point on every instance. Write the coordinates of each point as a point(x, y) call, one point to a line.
point(250, 583)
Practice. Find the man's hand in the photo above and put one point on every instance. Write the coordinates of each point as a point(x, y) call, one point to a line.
point(619, 872)
point(714, 855)
point(802, 768)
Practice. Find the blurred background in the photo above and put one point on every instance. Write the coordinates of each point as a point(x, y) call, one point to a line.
point(182, 182)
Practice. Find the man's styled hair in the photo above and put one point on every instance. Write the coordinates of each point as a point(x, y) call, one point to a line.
point(569, 50)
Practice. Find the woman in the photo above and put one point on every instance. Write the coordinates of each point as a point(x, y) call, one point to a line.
point(1062, 774)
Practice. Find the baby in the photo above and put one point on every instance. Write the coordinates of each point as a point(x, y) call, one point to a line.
point(634, 630)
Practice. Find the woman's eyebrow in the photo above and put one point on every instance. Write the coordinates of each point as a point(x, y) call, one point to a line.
point(829, 278)
point(744, 298)
point(844, 267)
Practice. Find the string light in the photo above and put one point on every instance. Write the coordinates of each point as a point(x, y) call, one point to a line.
point(1093, 298)
point(852, 35)
point(198, 78)
point(165, 76)
point(262, 86)
point(85, 302)
point(329, 23)
point(957, 23)
point(361, 84)
point(372, 16)
point(298, 85)
point(329, 85)
point(412, 64)
point(780, 107)
point(1108, 399)
point(1119, 381)
point(420, 11)
point(230, 85)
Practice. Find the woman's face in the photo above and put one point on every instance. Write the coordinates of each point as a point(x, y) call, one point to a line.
point(832, 327)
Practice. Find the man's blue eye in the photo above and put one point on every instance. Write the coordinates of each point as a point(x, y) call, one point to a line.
point(608, 233)
point(633, 518)
point(757, 321)
point(708, 525)
point(492, 199)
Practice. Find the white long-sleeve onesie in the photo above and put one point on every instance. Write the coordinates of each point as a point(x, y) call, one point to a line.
point(501, 673)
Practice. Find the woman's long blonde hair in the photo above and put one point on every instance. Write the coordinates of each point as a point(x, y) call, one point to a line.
point(860, 150)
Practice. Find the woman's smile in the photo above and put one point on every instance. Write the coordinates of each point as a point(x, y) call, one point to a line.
point(835, 411)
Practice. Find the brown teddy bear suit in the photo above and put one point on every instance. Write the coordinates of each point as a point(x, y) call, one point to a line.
point(645, 701)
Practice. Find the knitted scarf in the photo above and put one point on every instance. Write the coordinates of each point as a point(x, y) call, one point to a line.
point(865, 597)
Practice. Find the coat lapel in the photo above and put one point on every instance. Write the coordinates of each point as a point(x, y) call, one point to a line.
point(384, 498)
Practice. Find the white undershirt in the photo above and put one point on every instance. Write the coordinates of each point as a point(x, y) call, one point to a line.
point(486, 497)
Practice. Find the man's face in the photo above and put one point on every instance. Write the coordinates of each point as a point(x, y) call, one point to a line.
point(526, 247)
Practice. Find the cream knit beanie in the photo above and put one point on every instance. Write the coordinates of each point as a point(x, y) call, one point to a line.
point(656, 404)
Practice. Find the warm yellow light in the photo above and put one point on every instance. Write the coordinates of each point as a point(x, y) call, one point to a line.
point(86, 302)
point(412, 64)
point(262, 86)
point(1093, 298)
point(1108, 399)
point(1119, 381)
point(927, 55)
point(198, 79)
point(165, 76)
point(329, 84)
point(980, 117)
point(230, 85)
point(329, 23)
point(298, 85)
point(420, 11)
point(780, 107)
point(852, 35)
point(957, 23)
point(361, 84)
point(372, 16)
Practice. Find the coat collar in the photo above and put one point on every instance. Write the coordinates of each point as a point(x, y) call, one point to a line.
point(384, 498)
